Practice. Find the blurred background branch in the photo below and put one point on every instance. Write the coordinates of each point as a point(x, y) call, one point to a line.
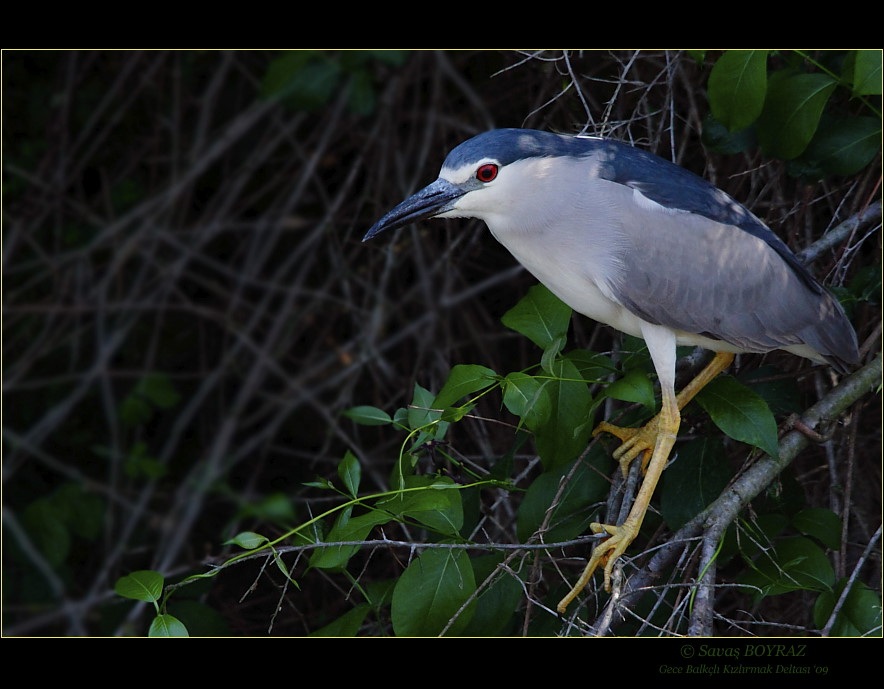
point(188, 308)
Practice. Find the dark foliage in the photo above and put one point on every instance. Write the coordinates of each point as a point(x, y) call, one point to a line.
point(188, 310)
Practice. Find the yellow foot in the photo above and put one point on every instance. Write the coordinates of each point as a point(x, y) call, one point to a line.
point(634, 442)
point(605, 553)
point(654, 441)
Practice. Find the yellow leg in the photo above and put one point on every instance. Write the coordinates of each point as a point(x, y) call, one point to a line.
point(636, 441)
point(655, 441)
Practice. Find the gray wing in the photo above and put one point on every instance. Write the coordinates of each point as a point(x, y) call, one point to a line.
point(676, 188)
point(694, 273)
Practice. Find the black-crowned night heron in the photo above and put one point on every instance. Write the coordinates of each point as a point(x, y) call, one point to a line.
point(634, 241)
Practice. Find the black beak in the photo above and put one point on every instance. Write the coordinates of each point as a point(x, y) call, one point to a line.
point(432, 200)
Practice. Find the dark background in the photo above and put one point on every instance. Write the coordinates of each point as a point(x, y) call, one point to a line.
point(188, 307)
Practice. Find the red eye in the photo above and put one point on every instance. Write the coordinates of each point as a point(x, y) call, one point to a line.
point(486, 172)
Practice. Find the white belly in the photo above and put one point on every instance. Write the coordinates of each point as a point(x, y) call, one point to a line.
point(568, 277)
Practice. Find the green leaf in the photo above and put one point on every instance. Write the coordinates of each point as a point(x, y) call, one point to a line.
point(566, 433)
point(737, 87)
point(792, 112)
point(793, 564)
point(166, 625)
point(409, 502)
point(749, 538)
point(283, 567)
point(303, 79)
point(145, 585)
point(80, 510)
point(347, 625)
point(592, 366)
point(551, 353)
point(578, 502)
point(135, 411)
point(431, 591)
point(635, 386)
point(693, 481)
point(379, 593)
point(464, 379)
point(866, 285)
point(368, 416)
point(740, 413)
point(528, 398)
point(821, 524)
point(158, 389)
point(249, 540)
point(440, 507)
point(139, 463)
point(423, 416)
point(282, 71)
point(842, 146)
point(716, 137)
point(497, 604)
point(153, 391)
point(540, 316)
point(634, 354)
point(346, 530)
point(276, 507)
point(446, 521)
point(782, 394)
point(860, 614)
point(322, 483)
point(455, 414)
point(350, 473)
point(199, 618)
point(867, 73)
point(422, 413)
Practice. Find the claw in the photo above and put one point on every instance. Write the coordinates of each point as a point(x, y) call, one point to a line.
point(634, 442)
point(653, 441)
point(605, 553)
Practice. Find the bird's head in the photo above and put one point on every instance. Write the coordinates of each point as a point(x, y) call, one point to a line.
point(492, 176)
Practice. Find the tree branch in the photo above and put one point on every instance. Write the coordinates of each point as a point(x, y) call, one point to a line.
point(715, 519)
point(838, 235)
